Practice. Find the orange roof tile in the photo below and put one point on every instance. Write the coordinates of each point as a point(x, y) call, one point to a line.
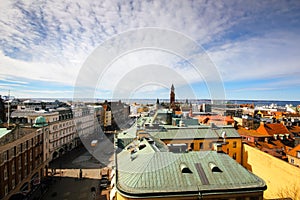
point(295, 129)
point(272, 129)
point(293, 152)
point(278, 113)
point(218, 120)
point(252, 133)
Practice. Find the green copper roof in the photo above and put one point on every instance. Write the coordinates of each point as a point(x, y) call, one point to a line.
point(194, 133)
point(3, 132)
point(128, 133)
point(40, 122)
point(127, 136)
point(147, 173)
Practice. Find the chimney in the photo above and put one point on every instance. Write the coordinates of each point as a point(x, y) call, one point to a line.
point(218, 147)
point(191, 113)
point(212, 125)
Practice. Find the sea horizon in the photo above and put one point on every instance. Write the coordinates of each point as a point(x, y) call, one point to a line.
point(193, 101)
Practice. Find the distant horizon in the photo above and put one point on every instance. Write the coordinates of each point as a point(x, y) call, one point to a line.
point(160, 99)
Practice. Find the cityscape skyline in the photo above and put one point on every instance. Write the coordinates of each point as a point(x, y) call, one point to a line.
point(254, 45)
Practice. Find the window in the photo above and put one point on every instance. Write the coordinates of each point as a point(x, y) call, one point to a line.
point(25, 159)
point(13, 184)
point(292, 161)
point(234, 145)
point(201, 145)
point(6, 190)
point(5, 173)
point(13, 168)
point(20, 177)
point(19, 148)
point(234, 156)
point(15, 151)
point(19, 163)
point(5, 156)
point(30, 155)
point(192, 146)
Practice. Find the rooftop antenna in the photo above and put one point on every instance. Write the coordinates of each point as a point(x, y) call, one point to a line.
point(224, 136)
point(8, 109)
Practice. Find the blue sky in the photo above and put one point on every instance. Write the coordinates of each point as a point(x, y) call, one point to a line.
point(253, 44)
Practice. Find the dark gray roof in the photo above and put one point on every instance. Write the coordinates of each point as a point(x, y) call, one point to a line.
point(27, 113)
point(148, 173)
point(19, 113)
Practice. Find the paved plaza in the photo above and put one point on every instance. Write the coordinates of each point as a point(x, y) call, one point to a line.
point(66, 183)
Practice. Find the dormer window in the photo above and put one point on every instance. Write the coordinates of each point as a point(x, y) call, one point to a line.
point(184, 169)
point(214, 167)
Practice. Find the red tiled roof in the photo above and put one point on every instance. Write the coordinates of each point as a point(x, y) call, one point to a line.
point(252, 133)
point(293, 152)
point(272, 129)
point(295, 129)
point(272, 152)
point(218, 120)
point(276, 144)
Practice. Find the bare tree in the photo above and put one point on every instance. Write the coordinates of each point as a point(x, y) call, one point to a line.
point(290, 192)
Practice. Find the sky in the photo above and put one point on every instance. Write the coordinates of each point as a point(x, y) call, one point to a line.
point(248, 49)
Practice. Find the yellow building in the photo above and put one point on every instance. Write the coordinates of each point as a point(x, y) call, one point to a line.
point(294, 156)
point(282, 178)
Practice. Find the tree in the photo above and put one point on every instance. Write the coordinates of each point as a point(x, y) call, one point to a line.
point(292, 191)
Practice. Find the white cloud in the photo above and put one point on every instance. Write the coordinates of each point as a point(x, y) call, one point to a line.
point(50, 40)
point(38, 71)
point(275, 55)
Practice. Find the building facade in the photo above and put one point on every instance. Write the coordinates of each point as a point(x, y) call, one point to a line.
point(22, 160)
point(62, 135)
point(294, 156)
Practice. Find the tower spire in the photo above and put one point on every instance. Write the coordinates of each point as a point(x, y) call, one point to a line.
point(172, 96)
